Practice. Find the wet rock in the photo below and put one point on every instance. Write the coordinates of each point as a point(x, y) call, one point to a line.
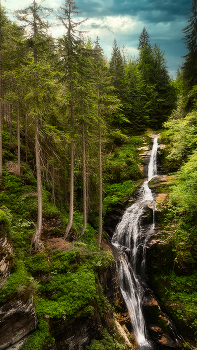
point(113, 217)
point(17, 319)
point(161, 330)
point(5, 259)
point(108, 279)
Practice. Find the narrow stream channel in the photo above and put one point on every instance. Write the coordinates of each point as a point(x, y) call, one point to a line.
point(130, 240)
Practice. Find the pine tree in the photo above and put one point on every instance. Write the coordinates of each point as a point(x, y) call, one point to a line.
point(144, 39)
point(106, 104)
point(117, 69)
point(190, 65)
point(69, 46)
point(33, 16)
point(3, 21)
point(158, 90)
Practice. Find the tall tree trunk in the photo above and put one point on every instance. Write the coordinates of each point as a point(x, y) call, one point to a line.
point(65, 182)
point(18, 140)
point(10, 125)
point(71, 208)
point(36, 242)
point(70, 220)
point(84, 181)
point(53, 183)
point(100, 176)
point(1, 119)
point(26, 138)
point(100, 192)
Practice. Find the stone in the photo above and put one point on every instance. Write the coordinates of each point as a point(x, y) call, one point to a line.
point(17, 319)
point(5, 262)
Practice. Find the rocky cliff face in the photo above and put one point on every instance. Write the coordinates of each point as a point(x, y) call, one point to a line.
point(17, 319)
point(78, 333)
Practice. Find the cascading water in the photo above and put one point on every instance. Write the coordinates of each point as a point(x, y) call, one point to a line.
point(130, 240)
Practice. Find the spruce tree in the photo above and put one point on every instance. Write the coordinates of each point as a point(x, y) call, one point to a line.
point(144, 39)
point(33, 18)
point(190, 65)
point(69, 47)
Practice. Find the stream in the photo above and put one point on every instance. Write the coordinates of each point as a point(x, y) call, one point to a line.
point(130, 240)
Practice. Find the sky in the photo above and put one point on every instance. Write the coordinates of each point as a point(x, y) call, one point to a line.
point(124, 21)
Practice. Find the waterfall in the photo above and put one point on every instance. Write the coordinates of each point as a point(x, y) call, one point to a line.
point(130, 240)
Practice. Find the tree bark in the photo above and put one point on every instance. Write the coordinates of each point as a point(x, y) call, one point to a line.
point(36, 242)
point(10, 125)
point(100, 192)
point(26, 138)
point(70, 220)
point(53, 183)
point(71, 208)
point(1, 119)
point(18, 140)
point(84, 181)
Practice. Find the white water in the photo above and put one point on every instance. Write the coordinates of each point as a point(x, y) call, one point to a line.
point(130, 239)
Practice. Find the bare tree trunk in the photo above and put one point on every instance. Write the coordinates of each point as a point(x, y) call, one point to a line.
point(10, 125)
point(100, 192)
point(84, 182)
point(53, 184)
point(26, 138)
point(1, 119)
point(65, 183)
point(36, 242)
point(70, 220)
point(71, 208)
point(87, 190)
point(18, 140)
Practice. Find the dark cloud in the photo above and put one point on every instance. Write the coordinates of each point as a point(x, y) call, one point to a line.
point(148, 10)
point(163, 19)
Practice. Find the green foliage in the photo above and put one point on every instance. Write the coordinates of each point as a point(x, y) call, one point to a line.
point(123, 163)
point(181, 138)
point(39, 339)
point(106, 343)
point(89, 237)
point(118, 191)
point(68, 293)
point(180, 292)
point(184, 194)
point(5, 221)
point(37, 263)
point(61, 262)
point(19, 281)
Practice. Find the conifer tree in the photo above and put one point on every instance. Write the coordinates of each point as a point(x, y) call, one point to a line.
point(33, 16)
point(106, 104)
point(117, 69)
point(190, 65)
point(2, 39)
point(144, 39)
point(69, 47)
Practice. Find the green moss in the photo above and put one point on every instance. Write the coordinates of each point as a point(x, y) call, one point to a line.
point(118, 191)
point(68, 293)
point(40, 338)
point(18, 281)
point(64, 261)
point(37, 264)
point(106, 343)
point(179, 297)
point(5, 221)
